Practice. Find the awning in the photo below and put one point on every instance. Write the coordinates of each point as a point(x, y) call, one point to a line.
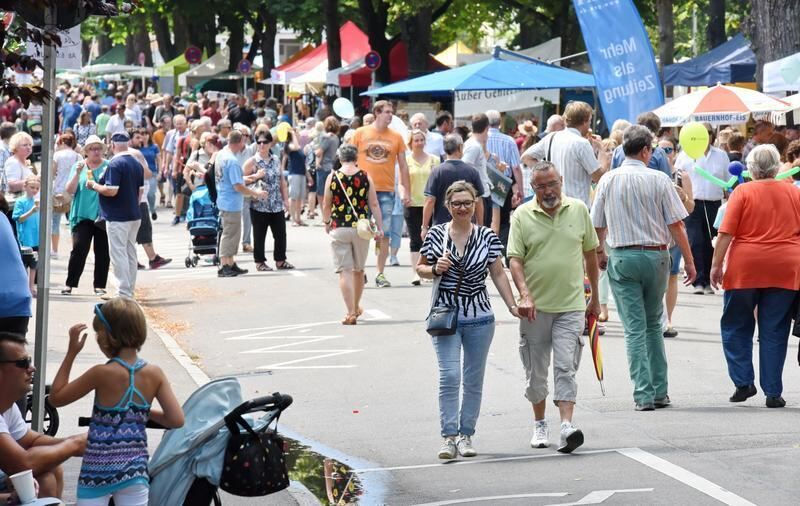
point(107, 68)
point(114, 55)
point(216, 64)
point(790, 116)
point(782, 75)
point(361, 77)
point(731, 62)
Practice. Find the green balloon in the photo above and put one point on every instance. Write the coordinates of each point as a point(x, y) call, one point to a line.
point(694, 139)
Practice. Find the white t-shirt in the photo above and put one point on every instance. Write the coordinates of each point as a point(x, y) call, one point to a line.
point(115, 125)
point(715, 162)
point(434, 144)
point(473, 155)
point(16, 171)
point(13, 424)
point(65, 159)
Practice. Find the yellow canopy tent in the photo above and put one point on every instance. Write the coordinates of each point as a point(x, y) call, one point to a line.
point(450, 55)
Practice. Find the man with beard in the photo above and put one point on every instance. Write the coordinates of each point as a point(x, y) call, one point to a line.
point(551, 239)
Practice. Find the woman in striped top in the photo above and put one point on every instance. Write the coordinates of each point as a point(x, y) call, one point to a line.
point(461, 253)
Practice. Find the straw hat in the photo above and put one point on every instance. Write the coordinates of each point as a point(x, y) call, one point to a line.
point(92, 139)
point(528, 128)
point(154, 98)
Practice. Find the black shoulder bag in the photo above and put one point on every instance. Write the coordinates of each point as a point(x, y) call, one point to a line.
point(254, 464)
point(442, 319)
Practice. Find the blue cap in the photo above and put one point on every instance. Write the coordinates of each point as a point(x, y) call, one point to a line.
point(120, 137)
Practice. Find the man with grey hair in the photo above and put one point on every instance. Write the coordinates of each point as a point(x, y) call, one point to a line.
point(242, 156)
point(659, 160)
point(442, 176)
point(641, 212)
point(121, 189)
point(434, 142)
point(551, 240)
point(555, 123)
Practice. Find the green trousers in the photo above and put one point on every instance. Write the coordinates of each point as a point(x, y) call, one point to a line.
point(638, 281)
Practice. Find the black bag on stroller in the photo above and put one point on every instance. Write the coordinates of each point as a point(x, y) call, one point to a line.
point(254, 462)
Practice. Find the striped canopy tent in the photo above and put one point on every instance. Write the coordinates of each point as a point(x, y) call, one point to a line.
point(719, 105)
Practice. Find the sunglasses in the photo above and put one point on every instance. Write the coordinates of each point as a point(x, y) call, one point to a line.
point(262, 142)
point(98, 311)
point(22, 363)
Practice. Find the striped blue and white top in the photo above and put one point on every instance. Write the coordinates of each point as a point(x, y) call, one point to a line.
point(504, 147)
point(483, 248)
point(636, 204)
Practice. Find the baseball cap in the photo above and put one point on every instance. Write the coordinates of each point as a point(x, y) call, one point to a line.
point(120, 137)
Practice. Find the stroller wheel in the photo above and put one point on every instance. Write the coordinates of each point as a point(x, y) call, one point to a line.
point(188, 262)
point(194, 261)
point(216, 259)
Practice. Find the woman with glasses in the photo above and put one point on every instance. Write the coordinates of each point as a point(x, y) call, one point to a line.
point(459, 254)
point(420, 165)
point(16, 169)
point(264, 171)
point(84, 219)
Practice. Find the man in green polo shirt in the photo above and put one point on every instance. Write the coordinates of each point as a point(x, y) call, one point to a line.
point(552, 238)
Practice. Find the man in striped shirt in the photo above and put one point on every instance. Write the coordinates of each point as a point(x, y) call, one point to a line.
point(641, 212)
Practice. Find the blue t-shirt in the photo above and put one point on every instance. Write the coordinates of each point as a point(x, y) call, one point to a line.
point(15, 296)
point(658, 160)
point(150, 153)
point(297, 163)
point(94, 109)
point(124, 172)
point(71, 113)
point(27, 231)
point(228, 173)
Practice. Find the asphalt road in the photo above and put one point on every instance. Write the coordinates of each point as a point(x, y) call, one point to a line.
point(367, 395)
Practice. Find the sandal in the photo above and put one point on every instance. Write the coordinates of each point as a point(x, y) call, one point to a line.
point(359, 311)
point(263, 267)
point(350, 319)
point(284, 266)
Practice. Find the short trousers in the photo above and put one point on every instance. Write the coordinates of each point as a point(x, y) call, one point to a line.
point(30, 261)
point(349, 250)
point(297, 186)
point(145, 233)
point(231, 233)
point(133, 495)
point(55, 223)
point(386, 203)
point(559, 334)
point(322, 176)
point(675, 261)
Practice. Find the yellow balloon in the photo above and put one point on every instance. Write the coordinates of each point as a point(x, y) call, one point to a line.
point(283, 131)
point(694, 139)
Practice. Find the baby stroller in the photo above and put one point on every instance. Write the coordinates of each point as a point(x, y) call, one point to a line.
point(187, 467)
point(202, 220)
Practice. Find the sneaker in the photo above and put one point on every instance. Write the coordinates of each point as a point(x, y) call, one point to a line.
point(708, 290)
point(176, 220)
point(698, 290)
point(66, 290)
point(159, 261)
point(571, 438)
point(139, 266)
point(226, 272)
point(541, 435)
point(100, 291)
point(416, 281)
point(772, 402)
point(644, 406)
point(54, 255)
point(238, 270)
point(154, 216)
point(662, 402)
point(393, 261)
point(670, 332)
point(464, 446)
point(743, 393)
point(106, 296)
point(381, 281)
point(448, 449)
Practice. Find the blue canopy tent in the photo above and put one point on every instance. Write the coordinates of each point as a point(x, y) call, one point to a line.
point(495, 73)
point(731, 62)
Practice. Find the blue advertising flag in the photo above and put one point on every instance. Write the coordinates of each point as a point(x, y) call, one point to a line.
point(623, 64)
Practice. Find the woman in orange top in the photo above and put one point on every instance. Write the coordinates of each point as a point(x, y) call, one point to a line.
point(760, 234)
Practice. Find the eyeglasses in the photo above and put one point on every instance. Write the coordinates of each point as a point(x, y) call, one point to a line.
point(262, 142)
point(547, 186)
point(463, 204)
point(22, 363)
point(98, 311)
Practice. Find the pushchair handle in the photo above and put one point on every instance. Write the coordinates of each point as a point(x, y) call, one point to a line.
point(84, 421)
point(276, 400)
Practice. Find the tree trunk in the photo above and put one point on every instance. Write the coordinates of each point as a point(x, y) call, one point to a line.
point(666, 37)
point(331, 10)
point(161, 29)
point(528, 35)
point(104, 44)
point(715, 31)
point(268, 41)
point(774, 30)
point(417, 36)
point(235, 28)
point(86, 50)
point(138, 42)
point(376, 21)
point(257, 23)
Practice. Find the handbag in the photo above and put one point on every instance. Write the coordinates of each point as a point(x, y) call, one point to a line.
point(62, 203)
point(254, 463)
point(365, 228)
point(443, 319)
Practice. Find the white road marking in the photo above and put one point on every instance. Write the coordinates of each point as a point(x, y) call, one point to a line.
point(297, 274)
point(684, 476)
point(280, 328)
point(494, 498)
point(375, 315)
point(599, 496)
point(336, 353)
point(261, 338)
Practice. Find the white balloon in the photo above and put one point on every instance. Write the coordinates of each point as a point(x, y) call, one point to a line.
point(398, 126)
point(343, 108)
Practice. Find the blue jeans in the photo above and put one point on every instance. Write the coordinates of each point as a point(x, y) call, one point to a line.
point(774, 322)
point(386, 203)
point(474, 337)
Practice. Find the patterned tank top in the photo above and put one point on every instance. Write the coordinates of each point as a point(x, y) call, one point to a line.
point(357, 187)
point(116, 451)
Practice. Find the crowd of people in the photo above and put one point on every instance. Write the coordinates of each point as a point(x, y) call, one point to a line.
point(622, 215)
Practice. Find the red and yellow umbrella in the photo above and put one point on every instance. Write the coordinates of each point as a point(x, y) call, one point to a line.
point(719, 105)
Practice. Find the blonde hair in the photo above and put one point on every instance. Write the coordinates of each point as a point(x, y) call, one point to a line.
point(415, 131)
point(577, 113)
point(460, 186)
point(16, 139)
point(128, 326)
point(609, 144)
point(32, 179)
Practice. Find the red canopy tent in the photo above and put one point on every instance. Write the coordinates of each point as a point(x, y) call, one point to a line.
point(355, 45)
point(398, 69)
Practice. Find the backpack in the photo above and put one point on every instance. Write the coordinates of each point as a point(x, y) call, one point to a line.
point(182, 154)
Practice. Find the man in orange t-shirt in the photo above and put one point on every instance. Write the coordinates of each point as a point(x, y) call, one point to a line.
point(379, 149)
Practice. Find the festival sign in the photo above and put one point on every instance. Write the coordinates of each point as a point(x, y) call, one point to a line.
point(472, 102)
point(623, 64)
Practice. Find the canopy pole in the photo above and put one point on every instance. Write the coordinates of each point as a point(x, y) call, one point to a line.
point(568, 57)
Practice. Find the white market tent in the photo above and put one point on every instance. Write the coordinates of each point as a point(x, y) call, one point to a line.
point(782, 75)
point(108, 68)
point(216, 64)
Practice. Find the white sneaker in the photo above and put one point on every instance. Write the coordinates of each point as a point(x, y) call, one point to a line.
point(448, 449)
point(541, 435)
point(464, 445)
point(571, 438)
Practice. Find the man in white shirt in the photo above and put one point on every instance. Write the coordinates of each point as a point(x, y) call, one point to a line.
point(116, 123)
point(707, 199)
point(572, 153)
point(434, 142)
point(20, 447)
point(475, 155)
